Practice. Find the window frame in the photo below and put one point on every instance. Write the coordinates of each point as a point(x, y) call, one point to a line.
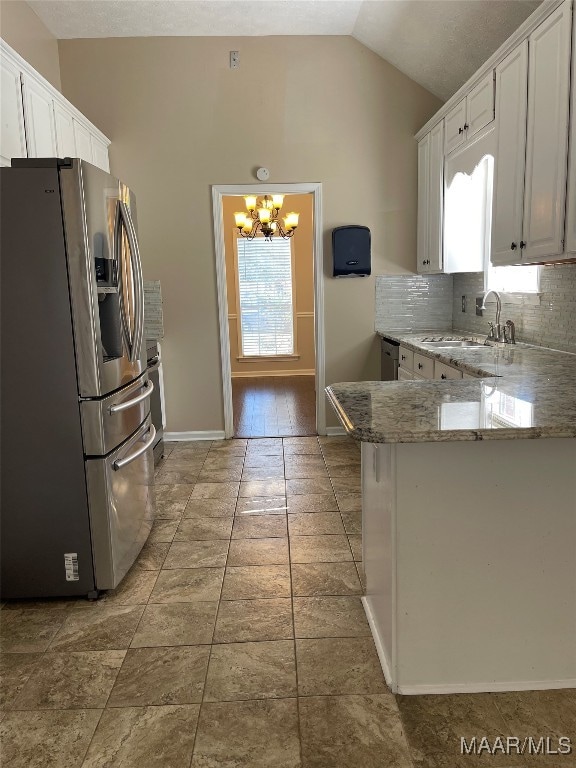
point(258, 358)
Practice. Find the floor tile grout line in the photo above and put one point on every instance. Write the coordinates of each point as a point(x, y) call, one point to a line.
point(299, 731)
point(213, 633)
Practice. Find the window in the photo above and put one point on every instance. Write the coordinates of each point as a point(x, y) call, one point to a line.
point(265, 295)
point(525, 279)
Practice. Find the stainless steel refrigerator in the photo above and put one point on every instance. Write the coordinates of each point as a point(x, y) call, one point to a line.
point(76, 460)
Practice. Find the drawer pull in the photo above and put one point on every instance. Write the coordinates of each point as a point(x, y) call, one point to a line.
point(443, 376)
point(420, 365)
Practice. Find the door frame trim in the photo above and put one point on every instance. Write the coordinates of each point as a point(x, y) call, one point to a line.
point(218, 192)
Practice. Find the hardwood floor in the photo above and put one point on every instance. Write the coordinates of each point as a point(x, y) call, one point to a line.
point(274, 406)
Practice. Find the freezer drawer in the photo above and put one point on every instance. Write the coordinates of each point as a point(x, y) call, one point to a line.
point(106, 423)
point(121, 505)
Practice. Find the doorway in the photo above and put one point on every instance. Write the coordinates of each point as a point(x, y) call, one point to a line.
point(270, 301)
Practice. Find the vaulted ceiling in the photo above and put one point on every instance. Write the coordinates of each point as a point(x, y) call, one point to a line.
point(438, 43)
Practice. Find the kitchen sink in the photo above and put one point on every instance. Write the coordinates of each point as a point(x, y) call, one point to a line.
point(451, 343)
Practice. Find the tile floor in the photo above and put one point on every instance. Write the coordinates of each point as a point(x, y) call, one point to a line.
point(238, 639)
point(274, 405)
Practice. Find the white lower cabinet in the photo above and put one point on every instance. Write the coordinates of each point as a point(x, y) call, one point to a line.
point(443, 371)
point(404, 375)
point(12, 133)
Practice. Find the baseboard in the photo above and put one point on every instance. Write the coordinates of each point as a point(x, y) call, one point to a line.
point(491, 687)
point(423, 690)
point(335, 431)
point(215, 434)
point(382, 656)
point(267, 374)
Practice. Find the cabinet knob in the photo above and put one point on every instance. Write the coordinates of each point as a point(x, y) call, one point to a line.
point(513, 246)
point(522, 244)
point(403, 357)
point(466, 126)
point(443, 376)
point(460, 130)
point(420, 365)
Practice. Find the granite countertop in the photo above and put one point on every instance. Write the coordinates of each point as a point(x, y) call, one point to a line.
point(525, 392)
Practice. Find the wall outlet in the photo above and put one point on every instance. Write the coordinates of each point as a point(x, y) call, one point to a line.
point(234, 59)
point(479, 310)
point(463, 303)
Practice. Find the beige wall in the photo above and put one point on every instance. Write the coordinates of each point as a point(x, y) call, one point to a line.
point(302, 249)
point(312, 109)
point(27, 34)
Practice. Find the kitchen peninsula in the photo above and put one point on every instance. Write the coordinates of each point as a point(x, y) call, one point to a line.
point(469, 519)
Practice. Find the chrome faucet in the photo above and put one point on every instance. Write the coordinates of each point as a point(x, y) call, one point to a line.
point(495, 330)
point(499, 334)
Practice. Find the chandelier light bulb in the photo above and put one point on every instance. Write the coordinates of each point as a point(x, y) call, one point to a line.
point(240, 218)
point(250, 202)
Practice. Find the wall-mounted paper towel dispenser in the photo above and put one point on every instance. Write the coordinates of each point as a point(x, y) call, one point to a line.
point(351, 251)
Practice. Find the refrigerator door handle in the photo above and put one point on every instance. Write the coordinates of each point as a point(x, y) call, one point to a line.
point(146, 392)
point(119, 463)
point(137, 267)
point(124, 221)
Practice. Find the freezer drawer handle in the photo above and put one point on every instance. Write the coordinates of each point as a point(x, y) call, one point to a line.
point(147, 391)
point(119, 463)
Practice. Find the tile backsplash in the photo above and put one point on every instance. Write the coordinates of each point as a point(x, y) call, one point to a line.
point(413, 302)
point(550, 323)
point(426, 302)
point(153, 318)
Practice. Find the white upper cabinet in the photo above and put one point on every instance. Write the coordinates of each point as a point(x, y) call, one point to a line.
point(470, 115)
point(423, 185)
point(455, 121)
point(508, 195)
point(430, 199)
point(480, 106)
point(37, 121)
point(65, 144)
point(12, 134)
point(571, 187)
point(83, 143)
point(39, 117)
point(100, 153)
point(547, 137)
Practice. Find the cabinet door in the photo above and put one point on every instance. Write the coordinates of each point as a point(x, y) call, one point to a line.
point(65, 143)
point(443, 371)
point(436, 198)
point(571, 201)
point(83, 142)
point(547, 138)
point(423, 187)
point(39, 116)
point(12, 134)
point(480, 105)
point(511, 109)
point(404, 375)
point(454, 123)
point(100, 154)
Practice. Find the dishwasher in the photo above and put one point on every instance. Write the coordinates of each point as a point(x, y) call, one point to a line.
point(154, 363)
point(389, 359)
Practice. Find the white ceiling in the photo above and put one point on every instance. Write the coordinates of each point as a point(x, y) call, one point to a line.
point(438, 43)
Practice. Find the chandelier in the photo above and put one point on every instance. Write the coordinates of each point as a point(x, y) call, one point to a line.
point(262, 216)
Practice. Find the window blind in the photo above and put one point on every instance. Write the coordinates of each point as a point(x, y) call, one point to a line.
point(265, 291)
